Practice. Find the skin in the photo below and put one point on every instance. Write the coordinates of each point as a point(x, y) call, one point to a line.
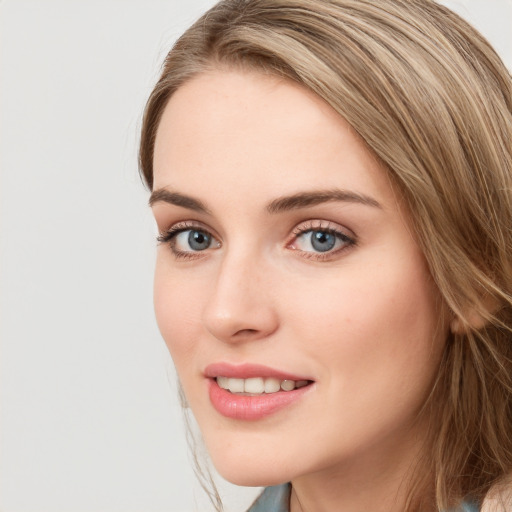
point(363, 321)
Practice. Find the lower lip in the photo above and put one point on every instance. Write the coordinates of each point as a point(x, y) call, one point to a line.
point(251, 408)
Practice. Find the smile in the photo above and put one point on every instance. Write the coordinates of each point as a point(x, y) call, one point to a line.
point(259, 385)
point(252, 392)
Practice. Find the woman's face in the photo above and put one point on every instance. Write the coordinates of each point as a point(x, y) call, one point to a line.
point(285, 256)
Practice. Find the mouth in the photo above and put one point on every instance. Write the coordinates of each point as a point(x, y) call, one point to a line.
point(253, 392)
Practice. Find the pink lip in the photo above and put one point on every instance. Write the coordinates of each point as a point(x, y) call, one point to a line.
point(250, 408)
point(246, 371)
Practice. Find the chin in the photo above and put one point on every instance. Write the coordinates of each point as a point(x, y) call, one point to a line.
point(241, 468)
point(246, 477)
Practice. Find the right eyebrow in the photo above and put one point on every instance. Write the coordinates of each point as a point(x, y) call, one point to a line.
point(177, 199)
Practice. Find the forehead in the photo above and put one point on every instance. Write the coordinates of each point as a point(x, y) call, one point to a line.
point(233, 103)
point(246, 129)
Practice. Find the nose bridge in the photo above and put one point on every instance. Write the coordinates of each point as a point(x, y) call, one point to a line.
point(239, 306)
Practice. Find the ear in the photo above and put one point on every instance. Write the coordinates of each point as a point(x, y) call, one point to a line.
point(476, 317)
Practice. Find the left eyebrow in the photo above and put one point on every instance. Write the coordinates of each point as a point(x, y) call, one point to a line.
point(306, 199)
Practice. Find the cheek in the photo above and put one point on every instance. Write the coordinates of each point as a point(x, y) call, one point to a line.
point(177, 306)
point(373, 325)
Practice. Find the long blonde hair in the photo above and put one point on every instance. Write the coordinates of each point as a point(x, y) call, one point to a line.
point(433, 101)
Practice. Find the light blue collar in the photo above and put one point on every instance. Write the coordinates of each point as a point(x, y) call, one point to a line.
point(273, 499)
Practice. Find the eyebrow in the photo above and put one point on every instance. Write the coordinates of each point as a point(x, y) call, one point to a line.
point(279, 205)
point(177, 199)
point(306, 199)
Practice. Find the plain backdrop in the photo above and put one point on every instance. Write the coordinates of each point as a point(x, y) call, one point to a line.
point(89, 416)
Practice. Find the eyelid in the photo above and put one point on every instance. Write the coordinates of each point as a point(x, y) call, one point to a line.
point(165, 234)
point(320, 225)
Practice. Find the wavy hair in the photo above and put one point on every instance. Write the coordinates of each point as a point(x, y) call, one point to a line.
point(433, 101)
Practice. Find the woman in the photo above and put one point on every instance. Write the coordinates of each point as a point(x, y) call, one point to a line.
point(332, 185)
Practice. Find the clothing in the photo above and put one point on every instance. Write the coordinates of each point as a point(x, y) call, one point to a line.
point(273, 499)
point(277, 499)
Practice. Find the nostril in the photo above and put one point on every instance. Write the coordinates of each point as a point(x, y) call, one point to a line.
point(245, 332)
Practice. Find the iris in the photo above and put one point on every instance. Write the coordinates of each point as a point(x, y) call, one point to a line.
point(322, 241)
point(198, 240)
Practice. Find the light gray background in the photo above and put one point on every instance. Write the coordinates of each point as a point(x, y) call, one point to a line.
point(89, 416)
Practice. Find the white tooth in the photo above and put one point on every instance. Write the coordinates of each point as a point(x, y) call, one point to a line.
point(287, 385)
point(254, 385)
point(223, 382)
point(236, 385)
point(301, 383)
point(272, 385)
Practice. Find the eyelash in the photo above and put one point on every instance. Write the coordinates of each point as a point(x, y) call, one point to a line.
point(349, 241)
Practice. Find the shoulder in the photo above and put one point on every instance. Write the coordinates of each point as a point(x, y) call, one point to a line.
point(273, 499)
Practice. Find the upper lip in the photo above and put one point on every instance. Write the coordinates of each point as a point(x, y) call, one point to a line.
point(248, 370)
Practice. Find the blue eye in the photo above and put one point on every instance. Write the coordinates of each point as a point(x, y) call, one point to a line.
point(192, 240)
point(185, 241)
point(321, 241)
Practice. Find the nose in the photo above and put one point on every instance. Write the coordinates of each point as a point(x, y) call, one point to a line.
point(241, 306)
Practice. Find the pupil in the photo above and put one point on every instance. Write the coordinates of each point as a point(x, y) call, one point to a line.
point(322, 241)
point(198, 241)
